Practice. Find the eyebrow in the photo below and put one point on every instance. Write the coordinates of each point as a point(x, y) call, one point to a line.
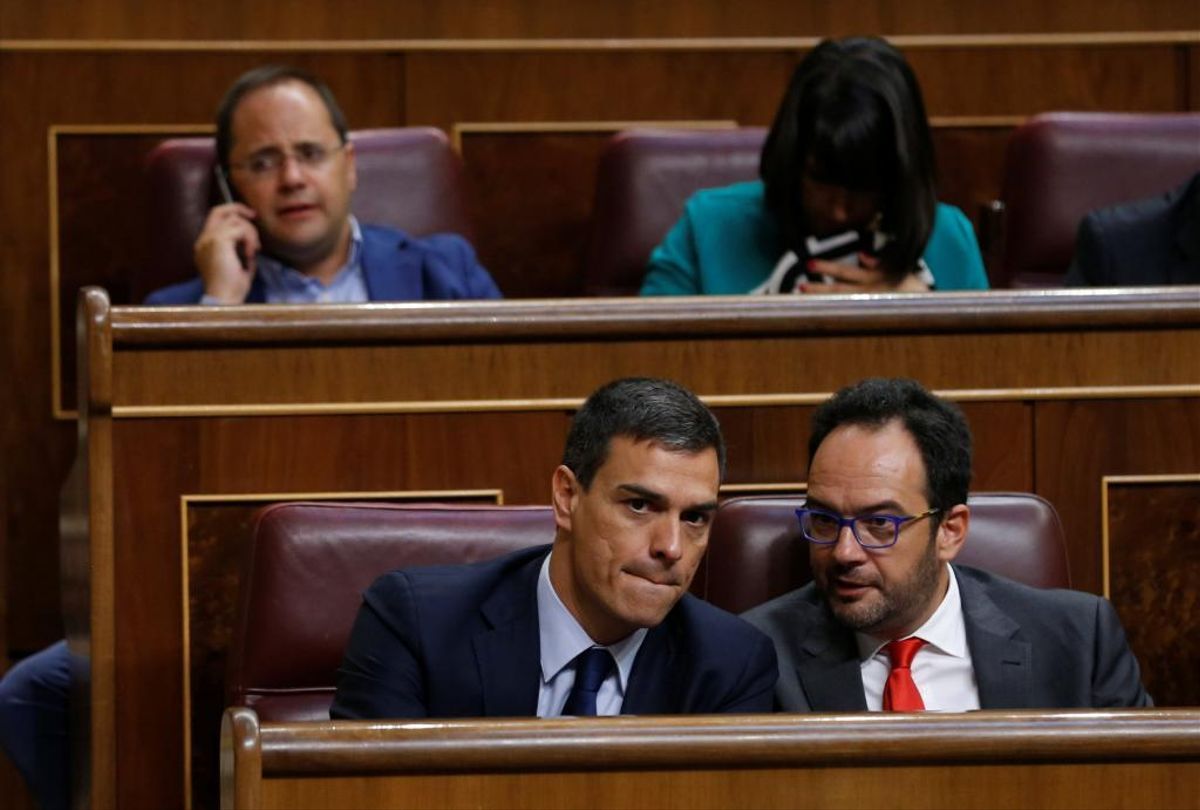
point(658, 498)
point(881, 506)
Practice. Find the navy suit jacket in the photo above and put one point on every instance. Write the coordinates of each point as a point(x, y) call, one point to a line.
point(1030, 648)
point(462, 641)
point(396, 267)
point(1147, 242)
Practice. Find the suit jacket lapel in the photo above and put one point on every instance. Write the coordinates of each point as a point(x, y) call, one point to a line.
point(390, 273)
point(509, 653)
point(1002, 662)
point(828, 668)
point(656, 680)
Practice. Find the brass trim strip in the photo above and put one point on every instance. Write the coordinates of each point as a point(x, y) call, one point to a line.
point(782, 487)
point(571, 403)
point(186, 500)
point(58, 409)
point(1105, 482)
point(904, 42)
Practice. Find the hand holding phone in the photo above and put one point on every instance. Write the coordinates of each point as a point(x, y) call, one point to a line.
point(226, 248)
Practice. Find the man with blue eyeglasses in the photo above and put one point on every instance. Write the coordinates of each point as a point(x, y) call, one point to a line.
point(285, 233)
point(888, 623)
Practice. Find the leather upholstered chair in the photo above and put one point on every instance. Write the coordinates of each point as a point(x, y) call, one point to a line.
point(1060, 166)
point(409, 178)
point(305, 573)
point(757, 553)
point(643, 180)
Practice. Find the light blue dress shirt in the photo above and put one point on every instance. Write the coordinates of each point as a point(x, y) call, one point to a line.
point(562, 639)
point(286, 285)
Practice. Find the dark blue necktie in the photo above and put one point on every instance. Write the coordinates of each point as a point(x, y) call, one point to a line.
point(591, 668)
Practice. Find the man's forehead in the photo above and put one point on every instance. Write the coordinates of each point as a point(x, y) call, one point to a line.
point(290, 105)
point(868, 458)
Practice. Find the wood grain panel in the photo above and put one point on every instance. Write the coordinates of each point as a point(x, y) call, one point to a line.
point(1153, 544)
point(1017, 81)
point(419, 19)
point(1076, 444)
point(582, 85)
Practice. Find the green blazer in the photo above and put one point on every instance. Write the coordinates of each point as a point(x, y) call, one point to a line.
point(726, 244)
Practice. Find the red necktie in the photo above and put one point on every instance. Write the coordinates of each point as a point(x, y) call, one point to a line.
point(900, 693)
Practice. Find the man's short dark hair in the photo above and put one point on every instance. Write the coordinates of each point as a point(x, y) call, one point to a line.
point(642, 409)
point(938, 427)
point(267, 76)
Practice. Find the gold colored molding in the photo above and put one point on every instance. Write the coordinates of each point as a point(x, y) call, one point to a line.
point(783, 488)
point(566, 127)
point(185, 503)
point(1109, 480)
point(571, 403)
point(57, 409)
point(904, 42)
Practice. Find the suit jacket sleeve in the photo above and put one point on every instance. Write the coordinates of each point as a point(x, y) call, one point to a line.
point(381, 674)
point(1088, 264)
point(1116, 681)
point(754, 692)
point(452, 271)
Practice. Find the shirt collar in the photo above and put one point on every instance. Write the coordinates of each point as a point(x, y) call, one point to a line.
point(278, 276)
point(562, 638)
point(945, 629)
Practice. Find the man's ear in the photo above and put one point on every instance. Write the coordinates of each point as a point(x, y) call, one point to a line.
point(564, 492)
point(953, 532)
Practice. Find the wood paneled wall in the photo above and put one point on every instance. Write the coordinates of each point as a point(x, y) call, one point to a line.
point(61, 66)
point(538, 19)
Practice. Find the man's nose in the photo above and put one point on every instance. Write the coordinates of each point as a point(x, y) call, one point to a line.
point(291, 173)
point(667, 542)
point(847, 548)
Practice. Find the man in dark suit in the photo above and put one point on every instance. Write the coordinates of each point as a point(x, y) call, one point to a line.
point(887, 622)
point(600, 622)
point(285, 233)
point(1147, 242)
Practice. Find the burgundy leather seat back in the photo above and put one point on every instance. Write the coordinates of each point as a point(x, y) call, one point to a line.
point(757, 552)
point(307, 568)
point(409, 178)
point(644, 178)
point(1060, 166)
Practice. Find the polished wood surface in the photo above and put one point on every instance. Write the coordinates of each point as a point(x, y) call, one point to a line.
point(188, 404)
point(710, 63)
point(1129, 758)
point(437, 19)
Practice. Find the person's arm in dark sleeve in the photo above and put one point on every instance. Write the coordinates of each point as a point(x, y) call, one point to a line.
point(754, 692)
point(1087, 265)
point(381, 674)
point(1116, 679)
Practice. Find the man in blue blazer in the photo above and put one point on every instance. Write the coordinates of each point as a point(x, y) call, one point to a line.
point(285, 233)
point(599, 622)
point(888, 623)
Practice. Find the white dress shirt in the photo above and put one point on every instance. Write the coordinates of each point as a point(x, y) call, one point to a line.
point(562, 639)
point(942, 668)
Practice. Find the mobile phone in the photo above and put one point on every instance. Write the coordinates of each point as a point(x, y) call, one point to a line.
point(227, 196)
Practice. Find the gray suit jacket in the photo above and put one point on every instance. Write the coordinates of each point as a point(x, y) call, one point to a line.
point(1031, 649)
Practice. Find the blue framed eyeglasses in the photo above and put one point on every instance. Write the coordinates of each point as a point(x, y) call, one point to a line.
point(871, 531)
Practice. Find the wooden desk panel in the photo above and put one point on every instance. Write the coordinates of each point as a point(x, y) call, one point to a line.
point(1131, 758)
point(251, 401)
